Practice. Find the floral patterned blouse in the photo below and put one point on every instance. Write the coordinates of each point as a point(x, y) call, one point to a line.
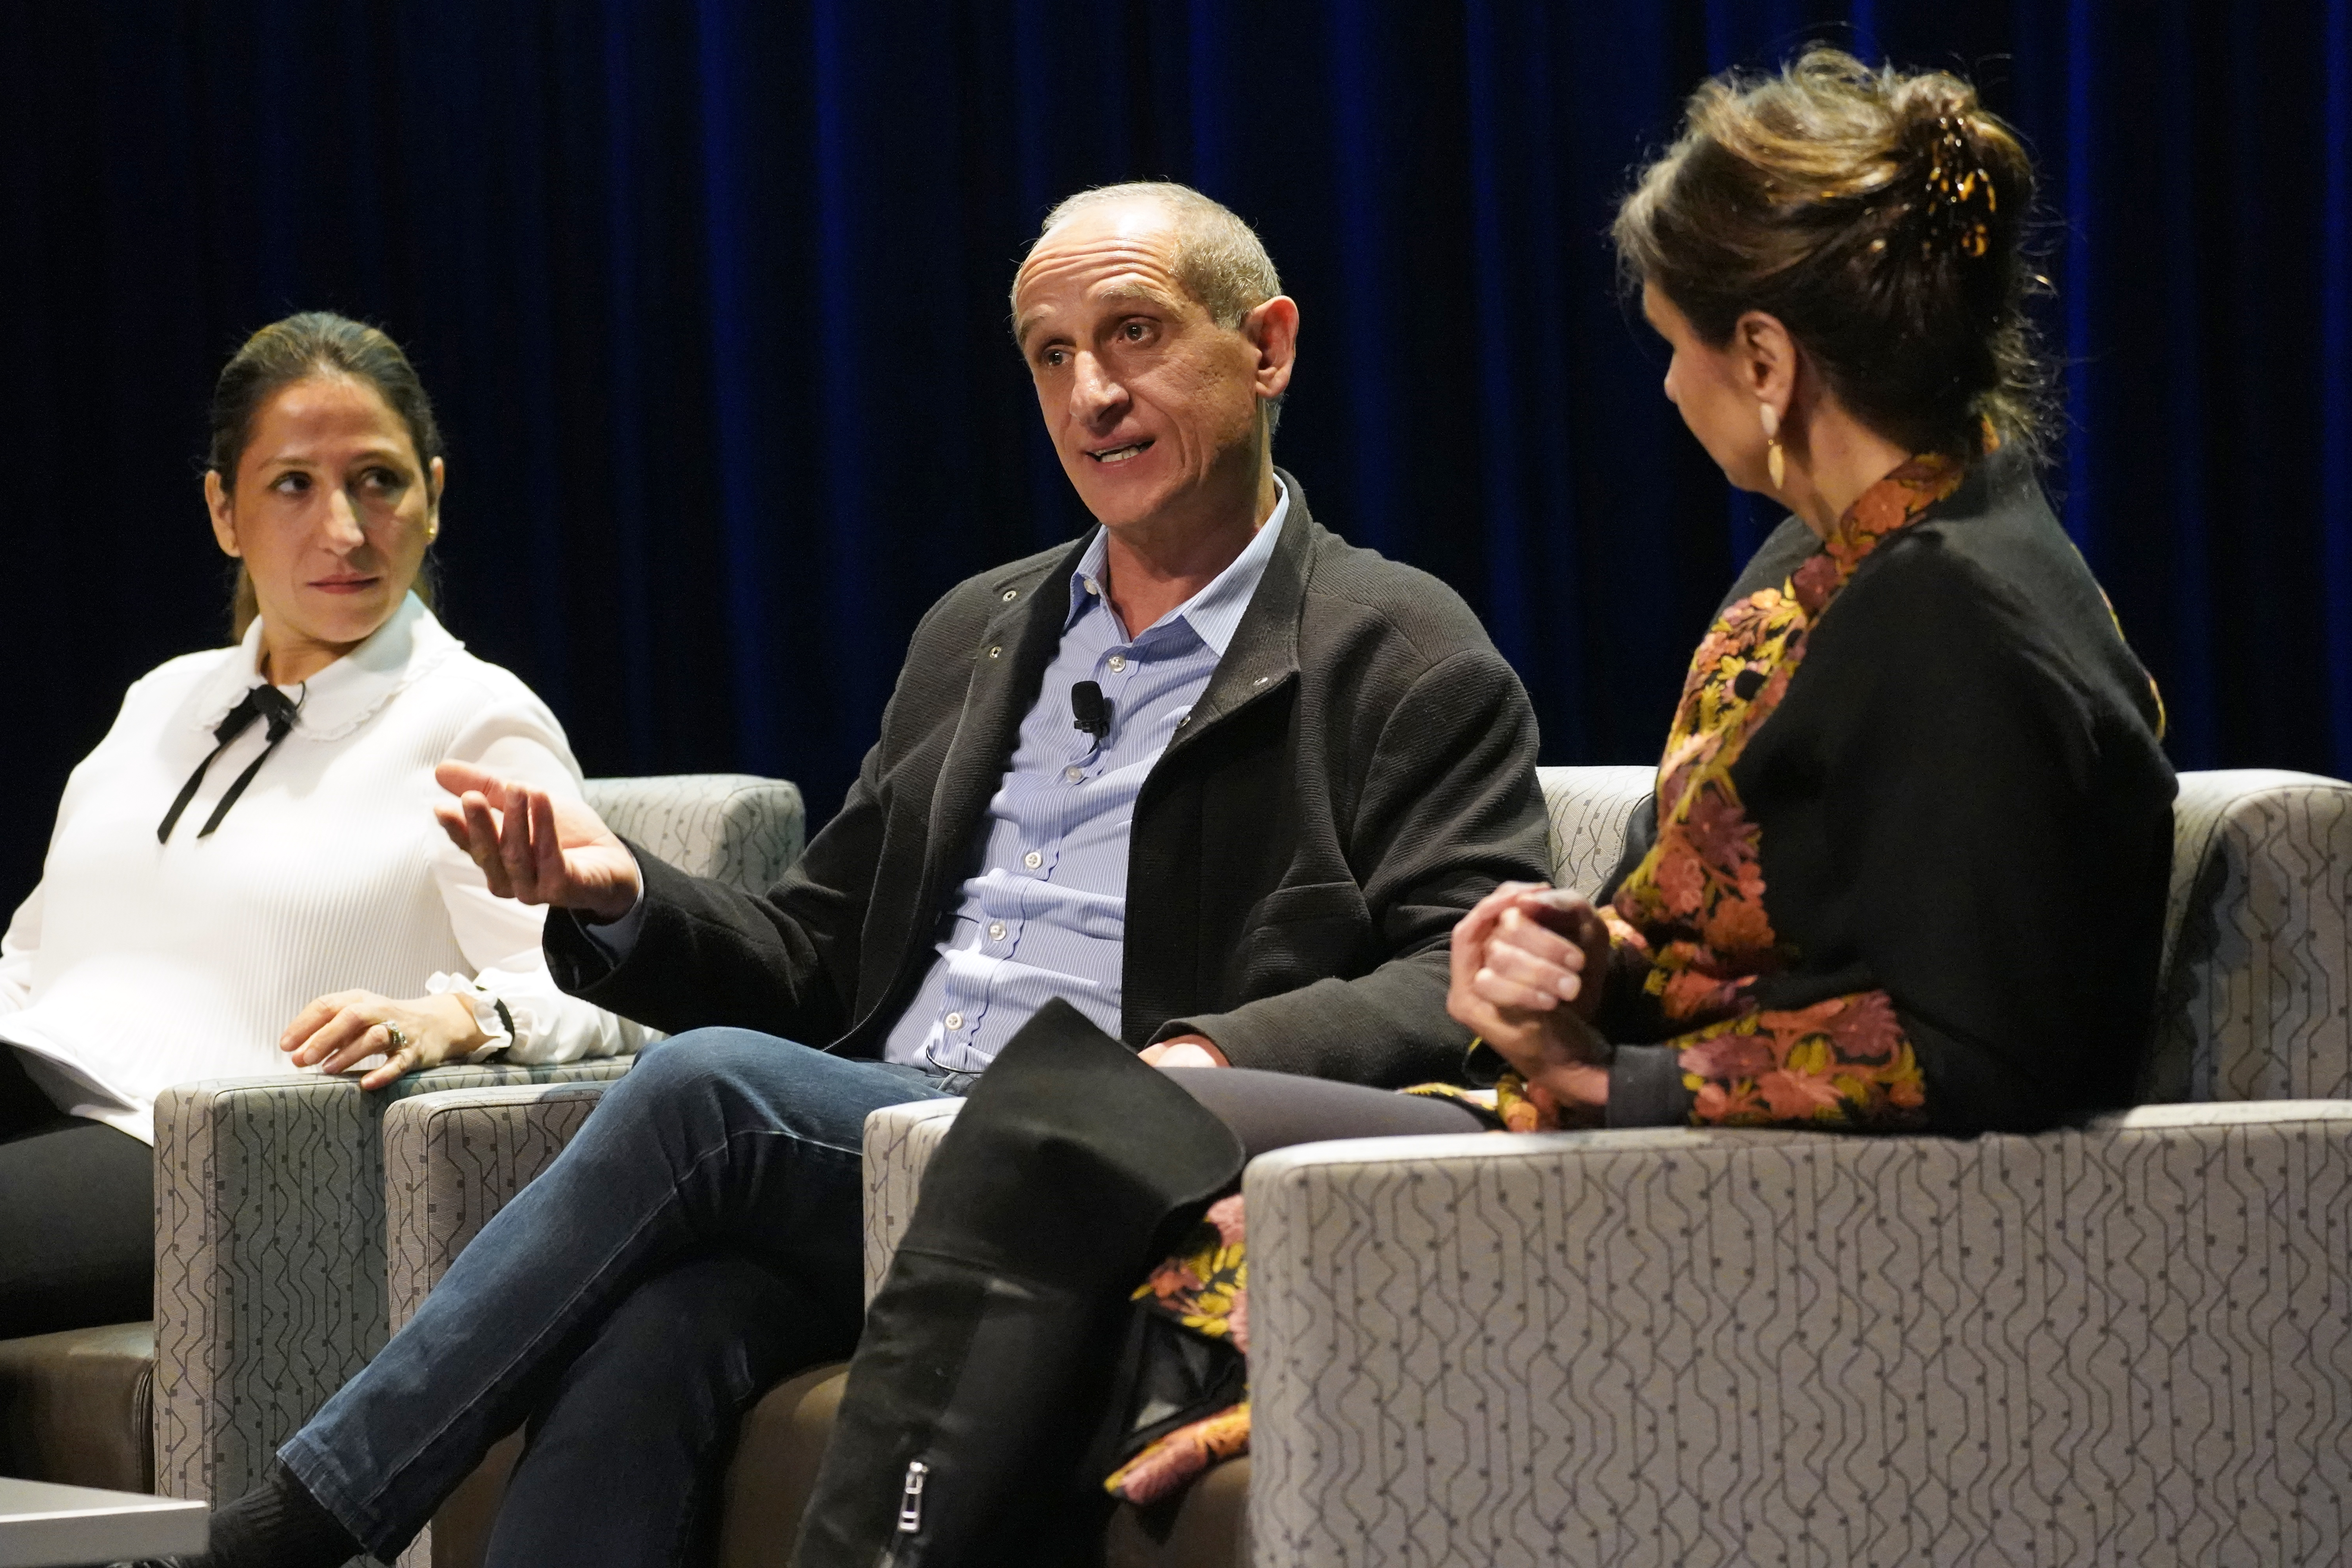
point(1913, 833)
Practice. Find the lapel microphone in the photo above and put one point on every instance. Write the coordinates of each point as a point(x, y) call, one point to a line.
point(1090, 709)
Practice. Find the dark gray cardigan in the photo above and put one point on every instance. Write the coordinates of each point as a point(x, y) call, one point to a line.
point(1358, 772)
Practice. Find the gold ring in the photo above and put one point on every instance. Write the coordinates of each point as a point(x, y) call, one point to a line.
point(392, 1033)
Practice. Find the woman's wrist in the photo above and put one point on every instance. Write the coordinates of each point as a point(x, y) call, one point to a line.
point(1583, 1086)
point(461, 1026)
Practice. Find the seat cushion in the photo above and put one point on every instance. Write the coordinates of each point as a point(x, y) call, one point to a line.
point(776, 1455)
point(783, 1441)
point(774, 1470)
point(1204, 1526)
point(77, 1407)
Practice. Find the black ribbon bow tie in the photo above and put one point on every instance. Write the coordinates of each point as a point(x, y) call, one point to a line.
point(261, 702)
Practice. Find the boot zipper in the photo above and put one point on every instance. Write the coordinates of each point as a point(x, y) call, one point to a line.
point(910, 1500)
point(902, 1550)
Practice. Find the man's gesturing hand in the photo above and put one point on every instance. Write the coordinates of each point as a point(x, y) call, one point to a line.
point(533, 848)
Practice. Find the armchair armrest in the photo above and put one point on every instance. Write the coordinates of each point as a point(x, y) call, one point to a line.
point(269, 1257)
point(2126, 1342)
point(453, 1159)
point(900, 1140)
point(2256, 994)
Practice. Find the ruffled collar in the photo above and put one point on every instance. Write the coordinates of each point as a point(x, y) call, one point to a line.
point(348, 692)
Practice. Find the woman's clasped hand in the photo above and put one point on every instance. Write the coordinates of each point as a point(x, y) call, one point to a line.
point(1530, 964)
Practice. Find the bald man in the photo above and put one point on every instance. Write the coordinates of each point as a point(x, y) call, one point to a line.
point(1211, 776)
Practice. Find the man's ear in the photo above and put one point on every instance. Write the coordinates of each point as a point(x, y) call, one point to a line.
point(216, 502)
point(1273, 330)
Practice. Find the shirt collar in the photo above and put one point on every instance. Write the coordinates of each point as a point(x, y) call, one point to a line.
point(347, 693)
point(1215, 612)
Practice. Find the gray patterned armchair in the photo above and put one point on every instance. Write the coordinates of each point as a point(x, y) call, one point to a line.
point(2129, 1343)
point(269, 1268)
point(1671, 1346)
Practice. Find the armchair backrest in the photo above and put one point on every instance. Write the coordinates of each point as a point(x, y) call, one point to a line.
point(1590, 808)
point(2256, 998)
point(735, 827)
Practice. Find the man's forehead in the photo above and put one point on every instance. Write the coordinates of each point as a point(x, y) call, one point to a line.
point(1130, 237)
point(1081, 280)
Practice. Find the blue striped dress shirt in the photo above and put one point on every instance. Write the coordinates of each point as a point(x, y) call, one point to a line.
point(1045, 916)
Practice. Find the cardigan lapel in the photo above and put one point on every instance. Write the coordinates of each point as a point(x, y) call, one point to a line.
point(1023, 634)
point(1263, 658)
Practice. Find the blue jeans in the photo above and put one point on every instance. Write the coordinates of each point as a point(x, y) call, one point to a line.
point(700, 1238)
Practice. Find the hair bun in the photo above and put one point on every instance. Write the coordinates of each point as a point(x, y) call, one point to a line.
point(1948, 184)
point(1879, 215)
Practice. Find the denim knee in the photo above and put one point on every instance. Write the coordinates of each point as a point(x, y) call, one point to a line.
point(699, 1060)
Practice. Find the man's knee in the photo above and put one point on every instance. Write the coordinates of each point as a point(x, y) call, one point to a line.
point(703, 1058)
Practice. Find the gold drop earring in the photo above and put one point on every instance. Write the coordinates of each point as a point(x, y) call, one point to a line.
point(1775, 460)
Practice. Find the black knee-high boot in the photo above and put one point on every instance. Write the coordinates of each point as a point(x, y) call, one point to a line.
point(988, 1353)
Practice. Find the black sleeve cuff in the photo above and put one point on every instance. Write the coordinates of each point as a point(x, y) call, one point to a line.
point(581, 957)
point(1645, 1087)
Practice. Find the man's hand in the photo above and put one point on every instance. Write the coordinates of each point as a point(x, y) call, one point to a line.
point(535, 848)
point(1185, 1051)
point(1520, 960)
point(342, 1029)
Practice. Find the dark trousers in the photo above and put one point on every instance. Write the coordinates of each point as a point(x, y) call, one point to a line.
point(77, 1216)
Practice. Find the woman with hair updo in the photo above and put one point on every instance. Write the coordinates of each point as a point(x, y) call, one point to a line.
point(1906, 871)
point(1909, 864)
point(247, 871)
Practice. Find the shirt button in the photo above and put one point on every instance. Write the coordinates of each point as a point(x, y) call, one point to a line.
point(1073, 773)
point(1032, 859)
point(1094, 587)
point(1117, 662)
point(953, 1021)
point(996, 931)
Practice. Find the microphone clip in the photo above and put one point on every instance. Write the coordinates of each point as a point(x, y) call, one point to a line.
point(1090, 710)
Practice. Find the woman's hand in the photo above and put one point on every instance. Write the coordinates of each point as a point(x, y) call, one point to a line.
point(1185, 1051)
point(1528, 960)
point(346, 1027)
point(535, 848)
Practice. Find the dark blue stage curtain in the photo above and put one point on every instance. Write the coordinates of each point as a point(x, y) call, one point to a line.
point(712, 293)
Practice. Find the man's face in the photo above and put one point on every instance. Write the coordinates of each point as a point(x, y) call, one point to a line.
point(1152, 405)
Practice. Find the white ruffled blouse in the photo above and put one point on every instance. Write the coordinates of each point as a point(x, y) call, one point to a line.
point(137, 964)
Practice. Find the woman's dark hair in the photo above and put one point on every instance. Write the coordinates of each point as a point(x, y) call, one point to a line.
point(316, 342)
point(1878, 216)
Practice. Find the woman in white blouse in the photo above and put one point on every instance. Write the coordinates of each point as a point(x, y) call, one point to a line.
point(247, 871)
